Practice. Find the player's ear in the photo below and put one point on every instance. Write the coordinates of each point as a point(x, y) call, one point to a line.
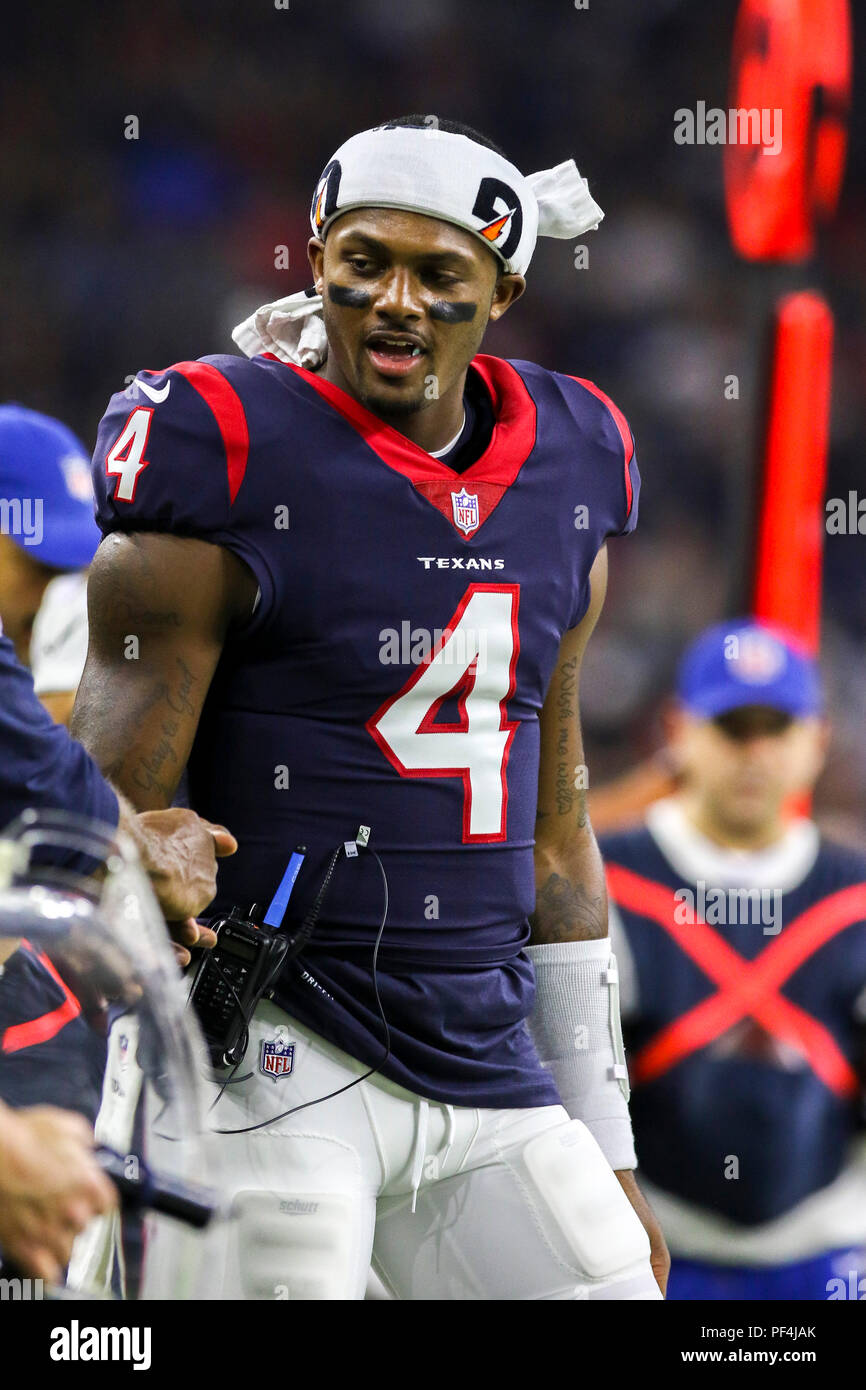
point(316, 257)
point(508, 289)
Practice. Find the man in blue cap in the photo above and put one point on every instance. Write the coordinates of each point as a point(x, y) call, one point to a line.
point(741, 938)
point(47, 525)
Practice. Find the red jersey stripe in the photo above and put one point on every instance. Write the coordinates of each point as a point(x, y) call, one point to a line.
point(511, 442)
point(228, 411)
point(624, 433)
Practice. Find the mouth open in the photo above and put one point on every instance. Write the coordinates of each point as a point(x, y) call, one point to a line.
point(394, 356)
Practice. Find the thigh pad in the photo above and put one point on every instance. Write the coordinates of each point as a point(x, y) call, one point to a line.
point(582, 1194)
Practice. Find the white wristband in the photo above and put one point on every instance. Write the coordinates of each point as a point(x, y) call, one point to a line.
point(577, 1032)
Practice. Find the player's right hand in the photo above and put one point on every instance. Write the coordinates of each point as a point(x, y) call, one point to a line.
point(179, 851)
point(50, 1187)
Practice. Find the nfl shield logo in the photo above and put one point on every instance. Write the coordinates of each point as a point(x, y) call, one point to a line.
point(277, 1059)
point(76, 473)
point(465, 507)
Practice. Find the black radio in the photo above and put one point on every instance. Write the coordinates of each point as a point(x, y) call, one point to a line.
point(232, 978)
point(244, 964)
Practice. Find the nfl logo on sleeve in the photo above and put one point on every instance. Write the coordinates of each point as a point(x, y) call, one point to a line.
point(277, 1059)
point(465, 507)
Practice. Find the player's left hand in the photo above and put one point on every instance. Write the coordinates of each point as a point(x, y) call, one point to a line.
point(659, 1257)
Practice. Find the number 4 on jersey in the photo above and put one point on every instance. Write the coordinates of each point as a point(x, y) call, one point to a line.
point(126, 458)
point(475, 664)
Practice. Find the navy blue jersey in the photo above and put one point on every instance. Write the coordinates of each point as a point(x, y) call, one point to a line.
point(408, 624)
point(40, 765)
point(765, 1067)
point(49, 1055)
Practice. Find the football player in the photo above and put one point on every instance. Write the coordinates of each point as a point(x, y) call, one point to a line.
point(348, 583)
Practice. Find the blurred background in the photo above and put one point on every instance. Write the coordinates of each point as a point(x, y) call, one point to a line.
point(126, 253)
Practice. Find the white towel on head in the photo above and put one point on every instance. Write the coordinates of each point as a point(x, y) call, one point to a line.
point(293, 329)
point(566, 208)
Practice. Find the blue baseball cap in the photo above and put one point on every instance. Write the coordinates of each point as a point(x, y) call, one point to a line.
point(46, 496)
point(742, 662)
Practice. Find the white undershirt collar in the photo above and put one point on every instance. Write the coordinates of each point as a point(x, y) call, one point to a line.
point(782, 865)
point(437, 453)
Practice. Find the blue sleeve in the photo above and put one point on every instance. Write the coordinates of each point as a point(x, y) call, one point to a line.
point(605, 434)
point(605, 426)
point(161, 461)
point(172, 455)
point(41, 765)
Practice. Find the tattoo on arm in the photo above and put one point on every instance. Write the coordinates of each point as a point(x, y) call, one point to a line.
point(156, 771)
point(568, 794)
point(163, 759)
point(567, 911)
point(161, 608)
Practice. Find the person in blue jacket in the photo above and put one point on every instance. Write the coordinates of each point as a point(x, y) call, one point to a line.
point(50, 1185)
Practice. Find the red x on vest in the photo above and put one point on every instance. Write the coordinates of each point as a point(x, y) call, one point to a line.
point(746, 988)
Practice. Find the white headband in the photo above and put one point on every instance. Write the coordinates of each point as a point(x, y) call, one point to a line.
point(452, 177)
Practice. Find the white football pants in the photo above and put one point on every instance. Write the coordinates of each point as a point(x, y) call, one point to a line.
point(448, 1202)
